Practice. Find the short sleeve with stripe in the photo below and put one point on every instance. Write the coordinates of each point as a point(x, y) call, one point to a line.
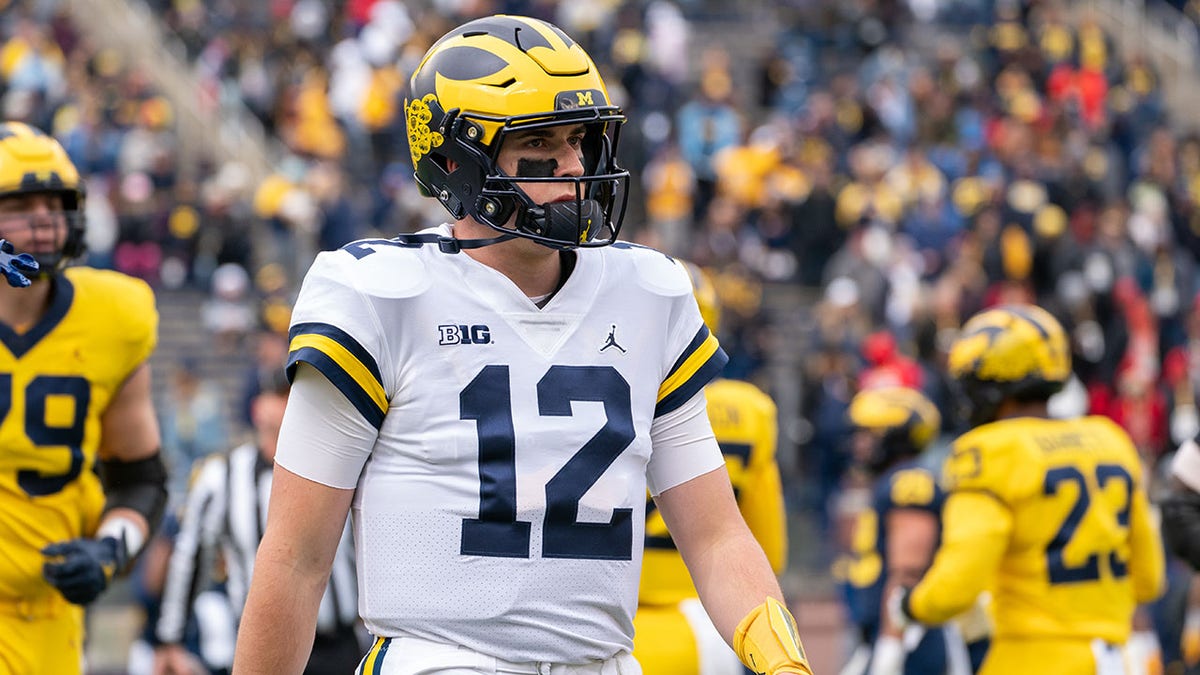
point(335, 329)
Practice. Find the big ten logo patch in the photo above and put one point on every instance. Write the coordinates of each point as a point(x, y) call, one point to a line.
point(450, 334)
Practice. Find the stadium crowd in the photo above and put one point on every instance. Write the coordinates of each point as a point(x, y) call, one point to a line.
point(901, 165)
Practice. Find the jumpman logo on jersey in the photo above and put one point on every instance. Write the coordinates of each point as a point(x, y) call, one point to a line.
point(612, 340)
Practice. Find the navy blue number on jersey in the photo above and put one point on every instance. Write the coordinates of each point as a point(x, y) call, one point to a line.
point(497, 532)
point(34, 483)
point(1060, 572)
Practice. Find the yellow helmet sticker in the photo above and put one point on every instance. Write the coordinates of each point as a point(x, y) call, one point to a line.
point(421, 139)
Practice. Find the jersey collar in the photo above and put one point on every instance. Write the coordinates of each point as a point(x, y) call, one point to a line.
point(61, 296)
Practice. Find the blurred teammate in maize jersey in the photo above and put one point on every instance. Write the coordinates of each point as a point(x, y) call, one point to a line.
point(81, 480)
point(672, 633)
point(1050, 514)
point(895, 536)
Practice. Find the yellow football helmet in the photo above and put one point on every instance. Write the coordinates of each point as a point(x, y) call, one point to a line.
point(499, 74)
point(33, 162)
point(706, 295)
point(902, 419)
point(1016, 352)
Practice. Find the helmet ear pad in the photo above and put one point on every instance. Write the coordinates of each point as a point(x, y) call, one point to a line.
point(76, 245)
point(453, 171)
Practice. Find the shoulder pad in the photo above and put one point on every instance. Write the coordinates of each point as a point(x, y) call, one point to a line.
point(1108, 425)
point(131, 292)
point(129, 307)
point(1114, 436)
point(991, 459)
point(912, 487)
point(654, 270)
point(375, 267)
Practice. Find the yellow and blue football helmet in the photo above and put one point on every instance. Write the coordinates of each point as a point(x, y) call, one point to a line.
point(500, 74)
point(901, 419)
point(1017, 352)
point(32, 162)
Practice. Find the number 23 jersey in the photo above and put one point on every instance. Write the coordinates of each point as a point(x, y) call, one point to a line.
point(502, 506)
point(1055, 512)
point(56, 380)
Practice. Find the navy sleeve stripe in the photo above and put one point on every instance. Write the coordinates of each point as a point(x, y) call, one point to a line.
point(346, 384)
point(341, 337)
point(705, 374)
point(701, 336)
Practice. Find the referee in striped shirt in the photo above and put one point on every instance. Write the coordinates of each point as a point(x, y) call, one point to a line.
point(224, 513)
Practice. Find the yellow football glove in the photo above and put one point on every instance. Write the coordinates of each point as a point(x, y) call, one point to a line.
point(767, 641)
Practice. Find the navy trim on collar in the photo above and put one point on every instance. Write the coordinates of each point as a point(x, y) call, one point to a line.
point(62, 294)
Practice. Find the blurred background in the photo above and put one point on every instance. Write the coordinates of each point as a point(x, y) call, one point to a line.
point(858, 176)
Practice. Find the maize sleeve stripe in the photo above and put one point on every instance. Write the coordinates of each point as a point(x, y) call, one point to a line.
point(350, 357)
point(698, 340)
point(347, 363)
point(342, 338)
point(366, 403)
point(697, 366)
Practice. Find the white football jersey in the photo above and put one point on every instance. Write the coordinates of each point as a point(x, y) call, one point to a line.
point(502, 506)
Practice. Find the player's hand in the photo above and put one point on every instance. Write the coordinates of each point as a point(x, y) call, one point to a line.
point(82, 568)
point(17, 268)
point(175, 660)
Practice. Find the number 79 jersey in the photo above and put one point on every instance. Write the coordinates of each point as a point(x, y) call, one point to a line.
point(502, 505)
point(56, 380)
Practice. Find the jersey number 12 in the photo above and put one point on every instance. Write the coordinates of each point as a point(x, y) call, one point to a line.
point(497, 532)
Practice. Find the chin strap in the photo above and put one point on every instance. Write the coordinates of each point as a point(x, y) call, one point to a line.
point(449, 244)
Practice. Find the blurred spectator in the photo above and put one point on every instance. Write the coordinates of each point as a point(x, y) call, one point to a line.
point(707, 125)
point(885, 366)
point(228, 313)
point(670, 185)
point(815, 232)
point(829, 376)
point(270, 349)
point(194, 423)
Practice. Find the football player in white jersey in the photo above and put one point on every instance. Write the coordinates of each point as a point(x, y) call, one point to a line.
point(490, 399)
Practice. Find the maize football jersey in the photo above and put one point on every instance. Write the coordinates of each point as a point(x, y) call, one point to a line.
point(56, 380)
point(1081, 547)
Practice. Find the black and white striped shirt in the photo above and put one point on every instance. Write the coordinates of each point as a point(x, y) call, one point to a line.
point(226, 511)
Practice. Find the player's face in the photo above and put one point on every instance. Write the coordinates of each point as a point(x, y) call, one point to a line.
point(544, 153)
point(863, 445)
point(33, 223)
